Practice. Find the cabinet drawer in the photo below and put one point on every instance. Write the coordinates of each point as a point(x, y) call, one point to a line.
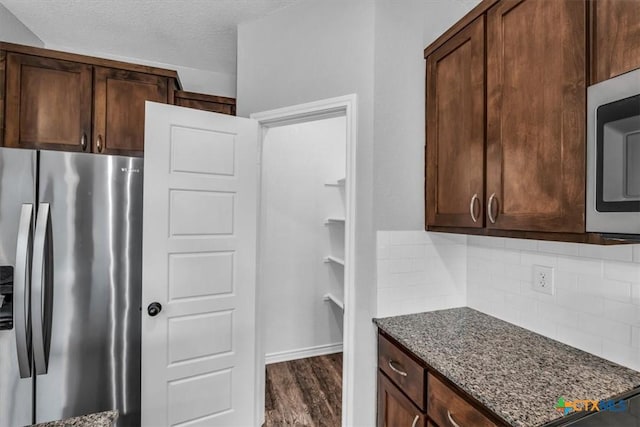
point(403, 371)
point(447, 409)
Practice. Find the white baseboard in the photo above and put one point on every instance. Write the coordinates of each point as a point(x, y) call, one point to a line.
point(320, 350)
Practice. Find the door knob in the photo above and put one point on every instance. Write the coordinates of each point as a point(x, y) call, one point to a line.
point(154, 308)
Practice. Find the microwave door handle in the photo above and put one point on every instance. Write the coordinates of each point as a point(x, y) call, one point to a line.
point(22, 293)
point(42, 298)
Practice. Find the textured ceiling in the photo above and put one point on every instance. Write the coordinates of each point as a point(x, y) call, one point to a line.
point(193, 33)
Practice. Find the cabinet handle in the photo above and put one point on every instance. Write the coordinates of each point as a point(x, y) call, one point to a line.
point(99, 143)
point(490, 208)
point(83, 141)
point(415, 421)
point(396, 370)
point(453, 423)
point(472, 206)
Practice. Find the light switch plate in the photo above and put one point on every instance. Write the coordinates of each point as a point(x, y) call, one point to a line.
point(543, 279)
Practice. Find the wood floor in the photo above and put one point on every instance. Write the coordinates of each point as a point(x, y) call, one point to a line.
point(305, 392)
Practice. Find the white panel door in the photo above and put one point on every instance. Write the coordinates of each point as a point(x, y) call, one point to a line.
point(199, 260)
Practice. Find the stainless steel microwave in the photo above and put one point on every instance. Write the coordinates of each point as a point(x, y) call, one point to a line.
point(613, 155)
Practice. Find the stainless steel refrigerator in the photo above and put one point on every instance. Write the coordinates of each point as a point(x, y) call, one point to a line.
point(70, 285)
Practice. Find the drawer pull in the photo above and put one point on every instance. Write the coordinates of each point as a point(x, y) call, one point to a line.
point(415, 421)
point(453, 423)
point(396, 370)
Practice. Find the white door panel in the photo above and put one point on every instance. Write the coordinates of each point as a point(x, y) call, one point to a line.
point(199, 248)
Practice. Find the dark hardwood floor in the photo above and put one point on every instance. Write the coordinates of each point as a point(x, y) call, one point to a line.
point(304, 392)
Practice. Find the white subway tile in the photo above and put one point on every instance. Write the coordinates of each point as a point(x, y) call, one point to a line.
point(558, 314)
point(506, 256)
point(406, 237)
point(384, 238)
point(579, 302)
point(518, 272)
point(576, 338)
point(565, 280)
point(559, 248)
point(612, 330)
point(521, 244)
point(636, 253)
point(612, 252)
point(584, 266)
point(618, 353)
point(624, 271)
point(635, 336)
point(534, 258)
point(383, 252)
point(604, 288)
point(622, 312)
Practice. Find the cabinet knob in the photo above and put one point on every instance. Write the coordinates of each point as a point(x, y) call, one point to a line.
point(99, 143)
point(154, 309)
point(83, 141)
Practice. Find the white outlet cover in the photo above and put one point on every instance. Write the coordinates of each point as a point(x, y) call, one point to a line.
point(543, 280)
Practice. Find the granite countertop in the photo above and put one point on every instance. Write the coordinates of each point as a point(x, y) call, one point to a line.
point(101, 419)
point(514, 372)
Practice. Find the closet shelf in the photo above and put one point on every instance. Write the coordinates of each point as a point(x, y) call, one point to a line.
point(334, 260)
point(333, 220)
point(333, 299)
point(338, 183)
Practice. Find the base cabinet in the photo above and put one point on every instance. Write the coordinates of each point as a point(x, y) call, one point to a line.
point(400, 405)
point(394, 408)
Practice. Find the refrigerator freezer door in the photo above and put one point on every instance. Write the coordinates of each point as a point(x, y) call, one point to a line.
point(17, 187)
point(96, 221)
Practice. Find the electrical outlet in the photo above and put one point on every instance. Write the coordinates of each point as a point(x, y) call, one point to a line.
point(543, 279)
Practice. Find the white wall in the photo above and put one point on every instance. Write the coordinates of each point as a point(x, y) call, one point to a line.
point(192, 79)
point(315, 50)
point(420, 271)
point(403, 28)
point(14, 31)
point(297, 161)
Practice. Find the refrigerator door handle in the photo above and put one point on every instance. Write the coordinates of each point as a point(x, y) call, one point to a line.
point(22, 290)
point(42, 297)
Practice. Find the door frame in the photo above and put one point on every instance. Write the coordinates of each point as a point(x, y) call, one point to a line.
point(343, 106)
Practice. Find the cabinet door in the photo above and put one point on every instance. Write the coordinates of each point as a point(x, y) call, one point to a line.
point(48, 103)
point(394, 408)
point(215, 104)
point(615, 38)
point(119, 98)
point(536, 80)
point(455, 130)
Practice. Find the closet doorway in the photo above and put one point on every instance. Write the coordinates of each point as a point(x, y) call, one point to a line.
point(305, 273)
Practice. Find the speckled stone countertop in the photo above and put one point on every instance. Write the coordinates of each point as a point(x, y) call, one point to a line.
point(101, 419)
point(514, 372)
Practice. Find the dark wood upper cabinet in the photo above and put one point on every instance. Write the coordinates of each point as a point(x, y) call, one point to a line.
point(63, 101)
point(119, 107)
point(615, 38)
point(536, 103)
point(455, 130)
point(199, 101)
point(48, 103)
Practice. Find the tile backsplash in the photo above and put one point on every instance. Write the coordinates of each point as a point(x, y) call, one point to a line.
point(420, 271)
point(596, 306)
